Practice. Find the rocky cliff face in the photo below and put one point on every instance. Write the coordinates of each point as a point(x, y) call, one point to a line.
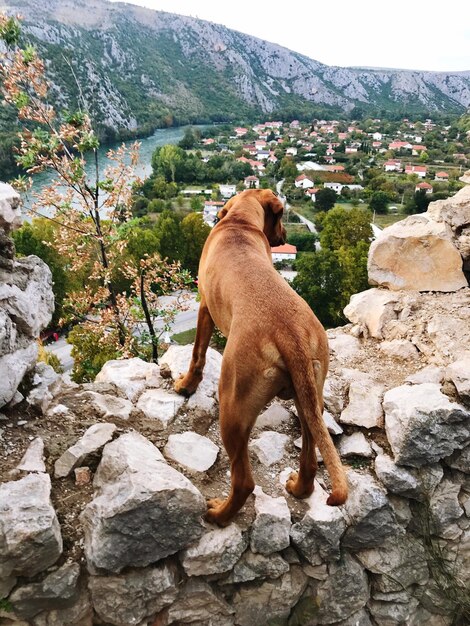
point(26, 301)
point(130, 547)
point(136, 65)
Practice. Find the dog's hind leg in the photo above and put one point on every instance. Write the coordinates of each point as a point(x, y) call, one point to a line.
point(240, 404)
point(300, 484)
point(187, 384)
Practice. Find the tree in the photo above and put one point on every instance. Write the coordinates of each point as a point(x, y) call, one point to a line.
point(195, 232)
point(166, 160)
point(343, 228)
point(379, 202)
point(88, 210)
point(325, 199)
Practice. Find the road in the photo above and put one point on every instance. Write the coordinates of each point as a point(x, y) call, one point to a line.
point(185, 320)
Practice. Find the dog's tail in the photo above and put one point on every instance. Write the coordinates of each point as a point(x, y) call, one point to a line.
point(308, 385)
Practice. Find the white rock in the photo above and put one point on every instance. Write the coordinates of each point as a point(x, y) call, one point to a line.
point(270, 530)
point(135, 596)
point(459, 373)
point(13, 367)
point(30, 539)
point(143, 509)
point(354, 445)
point(368, 512)
point(269, 447)
point(192, 451)
point(131, 376)
point(33, 458)
point(200, 605)
point(92, 440)
point(215, 552)
point(429, 374)
point(318, 535)
point(423, 425)
point(10, 208)
point(373, 309)
point(416, 253)
point(110, 407)
point(178, 358)
point(407, 481)
point(365, 404)
point(400, 349)
point(256, 566)
point(46, 383)
point(274, 416)
point(445, 508)
point(344, 347)
point(160, 406)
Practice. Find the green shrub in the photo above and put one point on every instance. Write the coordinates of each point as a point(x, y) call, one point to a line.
point(92, 347)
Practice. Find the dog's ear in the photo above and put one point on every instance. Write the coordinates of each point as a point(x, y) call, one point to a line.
point(271, 201)
point(225, 209)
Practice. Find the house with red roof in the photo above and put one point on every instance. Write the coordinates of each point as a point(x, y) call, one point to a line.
point(393, 165)
point(251, 182)
point(311, 193)
point(419, 170)
point(303, 181)
point(286, 252)
point(399, 145)
point(442, 176)
point(418, 149)
point(424, 187)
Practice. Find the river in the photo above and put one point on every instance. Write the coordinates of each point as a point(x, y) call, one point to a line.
point(148, 144)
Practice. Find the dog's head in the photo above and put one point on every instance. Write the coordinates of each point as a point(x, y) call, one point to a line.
point(273, 210)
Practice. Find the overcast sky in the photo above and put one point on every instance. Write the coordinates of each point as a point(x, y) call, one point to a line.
point(409, 34)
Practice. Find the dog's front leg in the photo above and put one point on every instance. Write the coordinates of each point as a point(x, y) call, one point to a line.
point(187, 384)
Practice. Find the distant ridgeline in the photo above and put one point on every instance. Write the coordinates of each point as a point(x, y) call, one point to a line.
point(140, 69)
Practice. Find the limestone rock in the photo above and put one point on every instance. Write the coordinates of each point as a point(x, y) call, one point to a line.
point(460, 460)
point(57, 590)
point(45, 383)
point(33, 458)
point(423, 425)
point(392, 613)
point(192, 451)
point(30, 539)
point(416, 253)
point(429, 374)
point(399, 349)
point(79, 613)
point(92, 440)
point(459, 373)
point(135, 596)
point(349, 577)
point(361, 618)
point(178, 358)
point(257, 566)
point(334, 391)
point(131, 376)
point(396, 564)
point(270, 530)
point(354, 445)
point(454, 212)
point(271, 600)
point(372, 309)
point(333, 427)
point(365, 404)
point(445, 508)
point(143, 509)
point(14, 367)
point(274, 416)
point(26, 295)
point(417, 483)
point(110, 407)
point(199, 604)
point(368, 511)
point(344, 347)
point(160, 406)
point(317, 536)
point(10, 208)
point(269, 447)
point(215, 552)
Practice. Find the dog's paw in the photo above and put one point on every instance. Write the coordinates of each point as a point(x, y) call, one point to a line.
point(214, 513)
point(181, 387)
point(296, 488)
point(337, 497)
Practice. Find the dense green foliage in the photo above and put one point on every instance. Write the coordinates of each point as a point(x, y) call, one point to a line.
point(327, 278)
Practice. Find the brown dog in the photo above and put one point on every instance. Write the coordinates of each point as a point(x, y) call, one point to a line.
point(275, 347)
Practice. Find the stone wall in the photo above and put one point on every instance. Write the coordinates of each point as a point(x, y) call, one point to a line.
point(26, 302)
point(102, 502)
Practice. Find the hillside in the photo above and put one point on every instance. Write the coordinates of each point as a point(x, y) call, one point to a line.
point(139, 68)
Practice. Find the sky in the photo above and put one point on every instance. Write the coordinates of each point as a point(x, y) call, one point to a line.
point(405, 34)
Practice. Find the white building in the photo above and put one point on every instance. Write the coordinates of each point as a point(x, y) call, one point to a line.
point(227, 191)
point(285, 252)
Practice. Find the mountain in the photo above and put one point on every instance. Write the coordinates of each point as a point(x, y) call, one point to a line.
point(139, 68)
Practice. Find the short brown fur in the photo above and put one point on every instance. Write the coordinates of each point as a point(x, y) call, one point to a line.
point(275, 347)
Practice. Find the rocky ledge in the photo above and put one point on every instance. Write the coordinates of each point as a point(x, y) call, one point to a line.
point(103, 488)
